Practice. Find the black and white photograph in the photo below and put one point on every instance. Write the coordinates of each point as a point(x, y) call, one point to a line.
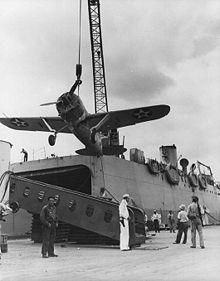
point(110, 140)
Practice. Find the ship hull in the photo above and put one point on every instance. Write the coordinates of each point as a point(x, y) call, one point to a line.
point(148, 191)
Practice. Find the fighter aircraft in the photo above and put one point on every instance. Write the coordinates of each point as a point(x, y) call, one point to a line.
point(91, 129)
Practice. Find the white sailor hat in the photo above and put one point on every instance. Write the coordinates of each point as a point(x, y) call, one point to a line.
point(182, 207)
point(126, 195)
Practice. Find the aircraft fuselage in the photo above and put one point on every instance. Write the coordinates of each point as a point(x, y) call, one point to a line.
point(71, 109)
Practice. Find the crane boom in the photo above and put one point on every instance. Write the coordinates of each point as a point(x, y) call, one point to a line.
point(100, 94)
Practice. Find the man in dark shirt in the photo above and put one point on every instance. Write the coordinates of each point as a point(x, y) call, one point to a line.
point(48, 218)
point(25, 154)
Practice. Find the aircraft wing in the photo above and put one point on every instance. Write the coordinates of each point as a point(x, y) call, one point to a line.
point(123, 118)
point(44, 124)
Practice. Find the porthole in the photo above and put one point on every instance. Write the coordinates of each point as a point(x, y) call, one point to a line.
point(108, 216)
point(27, 191)
point(89, 210)
point(12, 188)
point(41, 195)
point(72, 205)
point(57, 199)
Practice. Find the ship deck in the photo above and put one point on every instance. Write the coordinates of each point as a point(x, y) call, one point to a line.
point(157, 259)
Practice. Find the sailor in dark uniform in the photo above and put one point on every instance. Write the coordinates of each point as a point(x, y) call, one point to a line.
point(49, 220)
point(25, 154)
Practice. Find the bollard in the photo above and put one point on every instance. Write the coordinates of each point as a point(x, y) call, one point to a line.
point(4, 243)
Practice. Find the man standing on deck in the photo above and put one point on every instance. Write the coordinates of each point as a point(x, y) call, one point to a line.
point(171, 221)
point(4, 211)
point(49, 220)
point(156, 219)
point(194, 214)
point(124, 223)
point(183, 224)
point(205, 215)
point(25, 154)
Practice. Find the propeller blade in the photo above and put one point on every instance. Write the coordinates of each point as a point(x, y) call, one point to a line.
point(48, 103)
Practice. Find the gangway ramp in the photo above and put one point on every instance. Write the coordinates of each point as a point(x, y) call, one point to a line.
point(88, 212)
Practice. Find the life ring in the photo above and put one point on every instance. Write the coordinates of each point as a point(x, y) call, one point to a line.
point(193, 180)
point(153, 166)
point(202, 182)
point(172, 175)
point(15, 207)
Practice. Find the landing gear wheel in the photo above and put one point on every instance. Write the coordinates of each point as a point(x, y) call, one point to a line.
point(52, 140)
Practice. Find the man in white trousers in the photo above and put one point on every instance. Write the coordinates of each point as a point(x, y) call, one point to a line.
point(124, 223)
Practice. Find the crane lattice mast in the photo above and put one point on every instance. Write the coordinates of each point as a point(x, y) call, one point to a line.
point(100, 94)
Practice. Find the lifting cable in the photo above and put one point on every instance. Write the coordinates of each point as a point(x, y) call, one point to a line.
point(79, 66)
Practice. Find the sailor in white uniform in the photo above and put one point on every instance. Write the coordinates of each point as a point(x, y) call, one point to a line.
point(124, 223)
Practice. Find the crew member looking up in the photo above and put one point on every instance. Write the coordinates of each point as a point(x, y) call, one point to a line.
point(124, 223)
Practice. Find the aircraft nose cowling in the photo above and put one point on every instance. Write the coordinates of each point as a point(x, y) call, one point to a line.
point(70, 108)
point(72, 114)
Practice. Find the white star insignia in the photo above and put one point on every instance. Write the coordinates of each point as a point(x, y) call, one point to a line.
point(141, 114)
point(18, 122)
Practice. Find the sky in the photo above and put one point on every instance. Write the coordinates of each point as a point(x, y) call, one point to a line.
point(156, 52)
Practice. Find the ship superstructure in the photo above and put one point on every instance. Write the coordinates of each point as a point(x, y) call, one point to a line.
point(152, 184)
point(79, 182)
